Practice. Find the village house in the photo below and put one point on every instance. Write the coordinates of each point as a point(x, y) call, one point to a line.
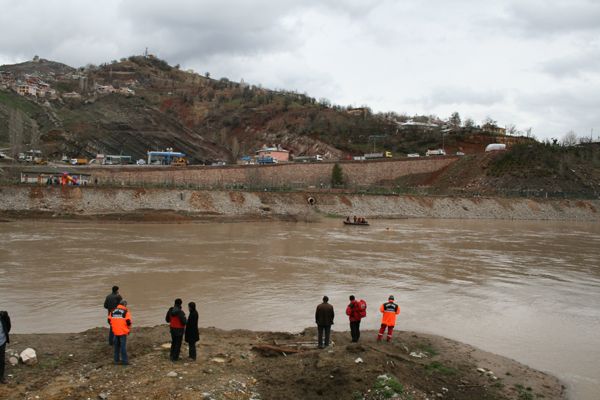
point(71, 95)
point(277, 153)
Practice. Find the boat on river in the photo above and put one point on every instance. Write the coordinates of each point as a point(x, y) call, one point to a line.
point(356, 223)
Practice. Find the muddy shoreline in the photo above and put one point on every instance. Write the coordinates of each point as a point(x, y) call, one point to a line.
point(241, 364)
point(168, 205)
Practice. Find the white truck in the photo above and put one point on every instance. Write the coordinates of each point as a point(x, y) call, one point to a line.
point(436, 152)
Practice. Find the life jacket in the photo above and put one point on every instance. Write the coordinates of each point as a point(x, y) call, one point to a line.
point(175, 321)
point(120, 320)
point(389, 311)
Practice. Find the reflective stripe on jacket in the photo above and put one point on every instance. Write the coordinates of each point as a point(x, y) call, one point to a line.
point(120, 320)
point(389, 311)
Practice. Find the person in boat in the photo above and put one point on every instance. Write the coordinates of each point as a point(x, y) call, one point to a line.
point(348, 218)
point(355, 219)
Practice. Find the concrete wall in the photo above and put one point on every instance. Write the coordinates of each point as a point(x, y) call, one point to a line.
point(365, 173)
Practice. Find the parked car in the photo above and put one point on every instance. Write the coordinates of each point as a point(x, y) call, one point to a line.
point(141, 161)
point(411, 155)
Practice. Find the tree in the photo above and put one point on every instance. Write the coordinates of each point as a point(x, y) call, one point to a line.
point(511, 129)
point(337, 176)
point(569, 139)
point(15, 131)
point(469, 123)
point(454, 120)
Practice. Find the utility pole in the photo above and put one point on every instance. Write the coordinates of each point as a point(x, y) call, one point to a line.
point(375, 137)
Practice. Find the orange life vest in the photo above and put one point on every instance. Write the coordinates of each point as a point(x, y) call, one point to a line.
point(389, 311)
point(119, 318)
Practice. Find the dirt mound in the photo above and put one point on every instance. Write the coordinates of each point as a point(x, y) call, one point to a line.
point(235, 365)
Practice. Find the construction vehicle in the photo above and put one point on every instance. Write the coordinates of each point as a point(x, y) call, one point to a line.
point(179, 162)
point(78, 161)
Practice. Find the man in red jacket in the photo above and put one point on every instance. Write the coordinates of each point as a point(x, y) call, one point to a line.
point(354, 313)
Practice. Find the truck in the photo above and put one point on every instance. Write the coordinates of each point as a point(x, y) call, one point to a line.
point(314, 158)
point(385, 154)
point(436, 152)
point(78, 161)
point(266, 160)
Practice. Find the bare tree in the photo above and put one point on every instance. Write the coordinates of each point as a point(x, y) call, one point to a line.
point(511, 129)
point(15, 131)
point(469, 123)
point(569, 139)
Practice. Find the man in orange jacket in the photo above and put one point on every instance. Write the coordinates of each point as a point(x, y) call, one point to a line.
point(120, 323)
point(389, 311)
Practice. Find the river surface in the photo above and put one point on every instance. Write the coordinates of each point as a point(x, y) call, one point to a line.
point(526, 290)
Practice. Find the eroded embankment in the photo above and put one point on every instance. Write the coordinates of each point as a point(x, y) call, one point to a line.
point(181, 205)
point(243, 365)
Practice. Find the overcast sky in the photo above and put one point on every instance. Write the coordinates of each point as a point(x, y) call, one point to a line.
point(532, 63)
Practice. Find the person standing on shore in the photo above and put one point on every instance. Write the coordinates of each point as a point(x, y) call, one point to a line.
point(4, 330)
point(110, 303)
point(355, 314)
point(389, 310)
point(324, 318)
point(120, 322)
point(176, 319)
point(191, 330)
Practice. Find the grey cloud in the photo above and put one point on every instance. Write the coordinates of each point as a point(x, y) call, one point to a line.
point(461, 95)
point(549, 17)
point(574, 65)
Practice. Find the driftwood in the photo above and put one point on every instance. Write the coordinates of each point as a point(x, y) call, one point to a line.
point(268, 350)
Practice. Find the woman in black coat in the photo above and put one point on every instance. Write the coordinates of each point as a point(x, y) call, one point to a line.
point(191, 330)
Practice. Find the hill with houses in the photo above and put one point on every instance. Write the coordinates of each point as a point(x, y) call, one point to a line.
point(142, 103)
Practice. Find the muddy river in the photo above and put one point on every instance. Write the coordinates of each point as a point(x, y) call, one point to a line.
point(526, 290)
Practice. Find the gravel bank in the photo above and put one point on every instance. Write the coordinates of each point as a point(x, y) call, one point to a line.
point(158, 204)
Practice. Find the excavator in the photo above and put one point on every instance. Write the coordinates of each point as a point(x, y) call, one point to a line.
point(179, 162)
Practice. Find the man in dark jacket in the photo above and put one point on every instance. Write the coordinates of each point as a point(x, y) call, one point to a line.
point(176, 319)
point(191, 330)
point(110, 303)
point(324, 318)
point(354, 313)
point(4, 330)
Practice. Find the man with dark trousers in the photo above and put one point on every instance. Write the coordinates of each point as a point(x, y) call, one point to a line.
point(176, 319)
point(4, 329)
point(111, 302)
point(354, 313)
point(324, 318)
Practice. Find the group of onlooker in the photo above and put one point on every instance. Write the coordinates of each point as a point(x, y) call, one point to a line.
point(356, 311)
point(119, 319)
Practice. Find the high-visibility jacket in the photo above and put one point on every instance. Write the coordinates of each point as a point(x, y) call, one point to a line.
point(389, 311)
point(120, 320)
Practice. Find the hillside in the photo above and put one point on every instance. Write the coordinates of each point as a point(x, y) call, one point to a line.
point(142, 103)
point(532, 170)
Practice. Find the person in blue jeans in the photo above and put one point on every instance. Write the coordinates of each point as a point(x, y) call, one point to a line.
point(120, 322)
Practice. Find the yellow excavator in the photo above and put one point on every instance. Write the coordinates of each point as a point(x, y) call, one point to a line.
point(179, 162)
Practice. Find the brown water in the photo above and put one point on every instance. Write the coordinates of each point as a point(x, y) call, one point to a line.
point(526, 290)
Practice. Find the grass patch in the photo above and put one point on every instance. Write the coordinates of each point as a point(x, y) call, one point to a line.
point(437, 367)
point(525, 393)
point(427, 348)
point(387, 387)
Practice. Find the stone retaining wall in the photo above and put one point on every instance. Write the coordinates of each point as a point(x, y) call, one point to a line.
point(365, 173)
